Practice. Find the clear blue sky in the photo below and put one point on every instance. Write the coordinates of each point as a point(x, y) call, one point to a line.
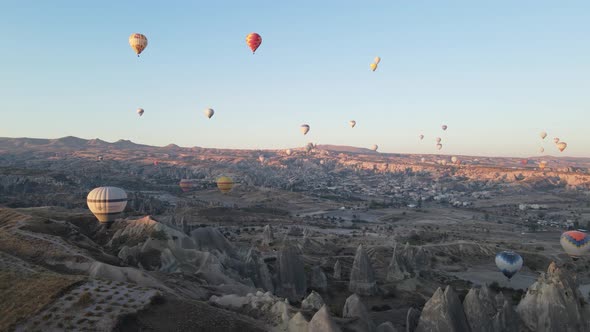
point(497, 73)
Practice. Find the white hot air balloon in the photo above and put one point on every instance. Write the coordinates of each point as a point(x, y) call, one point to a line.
point(374, 147)
point(543, 134)
point(439, 146)
point(377, 60)
point(288, 152)
point(304, 129)
point(438, 140)
point(352, 123)
point(209, 112)
point(140, 111)
point(106, 203)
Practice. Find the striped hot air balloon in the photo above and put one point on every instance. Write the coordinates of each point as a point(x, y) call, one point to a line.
point(575, 243)
point(509, 263)
point(225, 184)
point(107, 203)
point(186, 185)
point(253, 40)
point(138, 42)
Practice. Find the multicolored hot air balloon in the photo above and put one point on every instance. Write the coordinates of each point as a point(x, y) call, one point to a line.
point(561, 146)
point(138, 42)
point(186, 185)
point(575, 243)
point(352, 123)
point(225, 184)
point(140, 111)
point(253, 40)
point(444, 127)
point(209, 112)
point(107, 203)
point(304, 129)
point(543, 134)
point(509, 263)
point(373, 66)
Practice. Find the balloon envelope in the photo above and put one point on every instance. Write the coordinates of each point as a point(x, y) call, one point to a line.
point(543, 135)
point(374, 147)
point(509, 263)
point(575, 243)
point(541, 149)
point(106, 203)
point(186, 185)
point(253, 40)
point(556, 140)
point(209, 112)
point(288, 152)
point(352, 123)
point(561, 146)
point(438, 140)
point(304, 129)
point(138, 42)
point(225, 184)
point(373, 66)
point(421, 137)
point(140, 111)
point(377, 60)
point(439, 146)
point(444, 127)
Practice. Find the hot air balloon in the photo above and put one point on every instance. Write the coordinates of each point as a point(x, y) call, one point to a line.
point(99, 158)
point(373, 66)
point(439, 146)
point(421, 137)
point(443, 162)
point(438, 140)
point(186, 185)
point(209, 112)
point(556, 140)
point(575, 243)
point(261, 158)
point(543, 134)
point(444, 127)
point(352, 123)
point(156, 163)
point(374, 147)
point(377, 60)
point(253, 40)
point(106, 203)
point(138, 42)
point(225, 184)
point(524, 161)
point(422, 159)
point(509, 263)
point(288, 152)
point(561, 146)
point(454, 159)
point(140, 111)
point(541, 149)
point(304, 129)
point(542, 164)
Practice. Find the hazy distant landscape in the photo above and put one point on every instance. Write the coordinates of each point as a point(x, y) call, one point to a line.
point(296, 232)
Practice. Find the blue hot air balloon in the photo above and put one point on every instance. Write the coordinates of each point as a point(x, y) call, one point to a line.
point(509, 263)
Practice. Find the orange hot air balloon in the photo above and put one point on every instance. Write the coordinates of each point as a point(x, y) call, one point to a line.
point(253, 40)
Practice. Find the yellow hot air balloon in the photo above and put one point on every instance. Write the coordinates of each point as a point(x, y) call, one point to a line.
point(561, 146)
point(373, 66)
point(138, 42)
point(304, 129)
point(377, 60)
point(225, 184)
point(106, 203)
point(542, 164)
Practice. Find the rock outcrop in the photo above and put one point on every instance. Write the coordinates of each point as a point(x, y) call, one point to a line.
point(298, 324)
point(480, 308)
point(386, 327)
point(312, 302)
point(507, 320)
point(322, 322)
point(337, 270)
point(406, 262)
point(354, 308)
point(552, 303)
point(291, 275)
point(397, 269)
point(412, 319)
point(443, 313)
point(362, 276)
point(257, 271)
point(318, 279)
point(267, 236)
